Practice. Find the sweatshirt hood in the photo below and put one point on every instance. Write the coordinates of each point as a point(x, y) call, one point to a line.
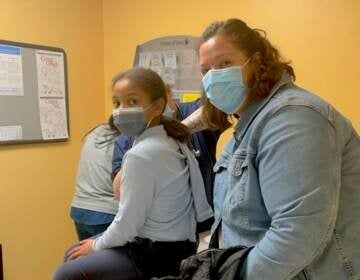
point(104, 136)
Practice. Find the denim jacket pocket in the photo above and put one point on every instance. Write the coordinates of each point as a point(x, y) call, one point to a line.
point(221, 184)
point(239, 167)
point(222, 177)
point(239, 178)
point(234, 206)
point(222, 163)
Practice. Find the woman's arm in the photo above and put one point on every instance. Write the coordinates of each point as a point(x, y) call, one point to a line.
point(195, 121)
point(299, 175)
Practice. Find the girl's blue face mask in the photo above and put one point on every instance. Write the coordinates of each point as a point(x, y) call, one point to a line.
point(225, 88)
point(131, 121)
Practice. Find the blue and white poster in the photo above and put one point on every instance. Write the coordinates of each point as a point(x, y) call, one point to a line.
point(11, 75)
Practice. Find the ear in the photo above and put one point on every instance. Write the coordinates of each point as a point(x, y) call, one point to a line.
point(159, 106)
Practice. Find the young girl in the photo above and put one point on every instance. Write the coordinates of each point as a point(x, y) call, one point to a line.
point(162, 192)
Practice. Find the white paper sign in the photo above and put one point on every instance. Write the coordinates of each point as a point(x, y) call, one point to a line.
point(53, 118)
point(51, 85)
point(156, 59)
point(144, 59)
point(170, 60)
point(51, 77)
point(11, 77)
point(168, 76)
point(8, 133)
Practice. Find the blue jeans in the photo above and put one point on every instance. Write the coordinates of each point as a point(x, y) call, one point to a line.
point(86, 231)
point(137, 260)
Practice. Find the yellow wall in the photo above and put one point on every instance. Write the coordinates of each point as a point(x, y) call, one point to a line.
point(37, 181)
point(322, 38)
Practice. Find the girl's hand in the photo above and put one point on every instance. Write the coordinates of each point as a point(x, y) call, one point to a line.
point(85, 248)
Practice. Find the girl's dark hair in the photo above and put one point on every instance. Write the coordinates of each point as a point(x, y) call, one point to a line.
point(110, 123)
point(154, 86)
point(250, 41)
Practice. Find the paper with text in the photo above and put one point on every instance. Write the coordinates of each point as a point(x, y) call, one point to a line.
point(11, 75)
point(12, 132)
point(51, 91)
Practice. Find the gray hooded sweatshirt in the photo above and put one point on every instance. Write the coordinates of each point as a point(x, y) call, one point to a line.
point(94, 186)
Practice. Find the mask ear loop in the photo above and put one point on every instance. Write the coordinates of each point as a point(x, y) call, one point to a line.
point(146, 108)
point(148, 124)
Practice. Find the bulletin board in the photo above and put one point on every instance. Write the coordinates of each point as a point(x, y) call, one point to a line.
point(33, 94)
point(176, 60)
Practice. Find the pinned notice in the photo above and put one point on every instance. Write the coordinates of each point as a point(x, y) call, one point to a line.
point(11, 76)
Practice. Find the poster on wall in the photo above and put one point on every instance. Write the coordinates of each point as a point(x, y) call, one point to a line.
point(176, 60)
point(11, 77)
point(51, 92)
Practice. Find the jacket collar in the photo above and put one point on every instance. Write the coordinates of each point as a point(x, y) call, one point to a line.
point(249, 115)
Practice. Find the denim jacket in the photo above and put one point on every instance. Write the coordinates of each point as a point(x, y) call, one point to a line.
point(288, 183)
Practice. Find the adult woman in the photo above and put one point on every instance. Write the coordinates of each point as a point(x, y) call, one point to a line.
point(162, 192)
point(288, 181)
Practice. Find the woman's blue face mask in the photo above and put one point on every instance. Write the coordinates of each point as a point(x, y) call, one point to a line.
point(225, 88)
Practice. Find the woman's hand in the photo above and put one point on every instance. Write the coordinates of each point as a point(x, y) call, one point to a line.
point(85, 248)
